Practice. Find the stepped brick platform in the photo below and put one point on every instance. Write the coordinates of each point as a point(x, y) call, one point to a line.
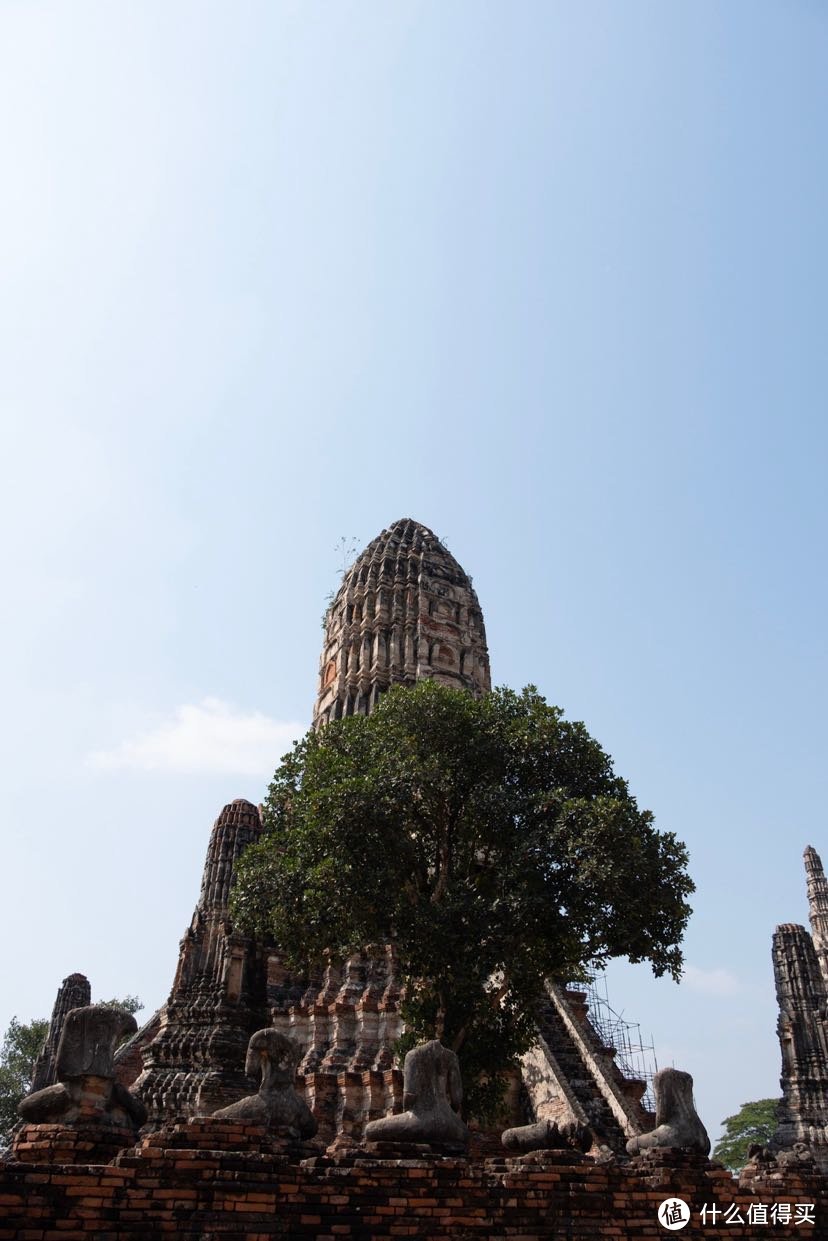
point(183, 1181)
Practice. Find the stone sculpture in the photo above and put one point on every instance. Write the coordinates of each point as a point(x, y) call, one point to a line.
point(546, 1135)
point(86, 1091)
point(677, 1121)
point(432, 1096)
point(75, 992)
point(277, 1105)
point(765, 1167)
point(800, 1156)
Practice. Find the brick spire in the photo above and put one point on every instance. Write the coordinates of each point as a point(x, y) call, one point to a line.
point(237, 826)
point(405, 610)
point(195, 1062)
point(817, 906)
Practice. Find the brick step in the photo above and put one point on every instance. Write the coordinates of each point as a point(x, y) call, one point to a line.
point(580, 1078)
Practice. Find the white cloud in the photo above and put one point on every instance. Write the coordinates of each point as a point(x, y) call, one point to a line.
point(208, 737)
point(711, 982)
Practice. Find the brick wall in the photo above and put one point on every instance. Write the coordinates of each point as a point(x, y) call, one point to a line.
point(180, 1182)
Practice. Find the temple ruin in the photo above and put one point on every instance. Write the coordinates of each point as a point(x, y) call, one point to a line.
point(302, 1157)
point(404, 611)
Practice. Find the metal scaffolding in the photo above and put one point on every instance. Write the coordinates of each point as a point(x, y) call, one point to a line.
point(635, 1058)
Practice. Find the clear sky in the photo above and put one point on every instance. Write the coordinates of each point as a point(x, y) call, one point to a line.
point(548, 277)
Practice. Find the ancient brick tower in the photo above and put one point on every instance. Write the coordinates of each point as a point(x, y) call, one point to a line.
point(800, 966)
point(404, 611)
point(195, 1061)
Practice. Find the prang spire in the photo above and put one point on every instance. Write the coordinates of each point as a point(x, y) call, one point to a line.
point(405, 610)
point(817, 905)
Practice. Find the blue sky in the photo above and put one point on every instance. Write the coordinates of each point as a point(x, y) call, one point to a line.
point(549, 278)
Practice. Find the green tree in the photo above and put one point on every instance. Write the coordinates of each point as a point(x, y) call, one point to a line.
point(754, 1122)
point(19, 1050)
point(489, 838)
point(130, 1002)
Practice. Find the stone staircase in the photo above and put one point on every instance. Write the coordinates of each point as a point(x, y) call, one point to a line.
point(580, 1078)
point(570, 1076)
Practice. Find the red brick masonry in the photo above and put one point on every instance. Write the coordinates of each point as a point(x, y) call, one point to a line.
point(221, 1181)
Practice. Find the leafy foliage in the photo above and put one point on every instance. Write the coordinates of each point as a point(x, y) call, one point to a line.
point(20, 1048)
point(754, 1122)
point(489, 838)
point(130, 1002)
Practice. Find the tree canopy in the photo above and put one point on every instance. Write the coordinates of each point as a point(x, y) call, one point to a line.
point(754, 1123)
point(489, 838)
point(20, 1048)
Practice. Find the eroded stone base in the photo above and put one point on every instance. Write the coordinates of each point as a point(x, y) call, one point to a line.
point(60, 1144)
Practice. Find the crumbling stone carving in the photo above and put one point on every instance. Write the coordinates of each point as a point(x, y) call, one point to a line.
point(800, 1156)
point(277, 1105)
point(766, 1166)
point(433, 1093)
point(546, 1135)
point(86, 1090)
point(677, 1121)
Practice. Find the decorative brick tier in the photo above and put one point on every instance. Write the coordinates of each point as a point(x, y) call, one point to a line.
point(196, 1193)
point(214, 1134)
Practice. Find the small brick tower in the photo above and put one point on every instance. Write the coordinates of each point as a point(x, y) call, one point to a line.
point(195, 1062)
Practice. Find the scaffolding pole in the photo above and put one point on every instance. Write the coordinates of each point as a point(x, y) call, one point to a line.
point(635, 1058)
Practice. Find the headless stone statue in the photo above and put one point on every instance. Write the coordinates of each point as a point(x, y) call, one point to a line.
point(677, 1121)
point(86, 1090)
point(432, 1096)
point(277, 1105)
point(546, 1135)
